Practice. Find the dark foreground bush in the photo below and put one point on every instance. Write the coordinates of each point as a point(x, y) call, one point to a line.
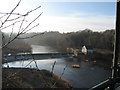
point(31, 78)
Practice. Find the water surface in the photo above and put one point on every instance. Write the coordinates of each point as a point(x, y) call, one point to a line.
point(86, 76)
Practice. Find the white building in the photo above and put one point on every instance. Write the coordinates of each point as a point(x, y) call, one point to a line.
point(84, 50)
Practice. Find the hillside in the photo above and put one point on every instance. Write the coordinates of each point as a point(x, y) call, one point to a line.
point(31, 79)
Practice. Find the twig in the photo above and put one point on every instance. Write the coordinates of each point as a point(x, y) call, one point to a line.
point(1, 20)
point(34, 61)
point(15, 18)
point(21, 25)
point(24, 14)
point(12, 24)
point(11, 33)
point(31, 23)
point(31, 36)
point(32, 10)
point(60, 76)
point(63, 71)
point(3, 15)
point(22, 30)
point(10, 13)
point(30, 29)
point(9, 41)
point(53, 66)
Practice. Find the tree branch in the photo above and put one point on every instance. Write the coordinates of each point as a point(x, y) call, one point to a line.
point(10, 14)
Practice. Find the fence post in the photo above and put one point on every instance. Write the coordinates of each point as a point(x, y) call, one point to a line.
point(116, 46)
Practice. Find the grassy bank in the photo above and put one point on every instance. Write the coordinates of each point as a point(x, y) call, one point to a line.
point(102, 58)
point(31, 78)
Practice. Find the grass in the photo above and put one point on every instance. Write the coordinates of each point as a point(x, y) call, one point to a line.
point(31, 78)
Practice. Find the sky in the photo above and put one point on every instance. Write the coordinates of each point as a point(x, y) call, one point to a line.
point(68, 16)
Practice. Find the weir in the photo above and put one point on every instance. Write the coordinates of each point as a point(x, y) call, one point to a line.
point(37, 56)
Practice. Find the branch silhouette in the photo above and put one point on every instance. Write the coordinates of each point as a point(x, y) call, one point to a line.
point(21, 30)
point(10, 14)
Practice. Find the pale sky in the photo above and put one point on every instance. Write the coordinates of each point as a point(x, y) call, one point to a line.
point(66, 16)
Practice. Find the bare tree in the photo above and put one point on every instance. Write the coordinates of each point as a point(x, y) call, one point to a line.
point(18, 18)
point(6, 22)
point(23, 28)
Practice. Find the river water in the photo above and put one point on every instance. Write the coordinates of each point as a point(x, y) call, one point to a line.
point(86, 76)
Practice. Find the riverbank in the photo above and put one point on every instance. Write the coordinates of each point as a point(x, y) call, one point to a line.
point(31, 78)
point(102, 58)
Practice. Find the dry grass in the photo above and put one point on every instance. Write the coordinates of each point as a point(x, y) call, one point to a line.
point(32, 78)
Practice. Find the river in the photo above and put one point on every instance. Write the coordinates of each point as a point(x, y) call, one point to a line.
point(86, 76)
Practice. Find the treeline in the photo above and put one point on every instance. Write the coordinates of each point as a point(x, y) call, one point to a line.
point(61, 41)
point(14, 47)
point(98, 40)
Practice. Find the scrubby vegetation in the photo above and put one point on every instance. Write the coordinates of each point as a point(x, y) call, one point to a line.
point(101, 42)
point(31, 79)
point(16, 46)
point(61, 41)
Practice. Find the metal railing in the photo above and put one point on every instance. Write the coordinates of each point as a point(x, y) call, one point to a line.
point(110, 83)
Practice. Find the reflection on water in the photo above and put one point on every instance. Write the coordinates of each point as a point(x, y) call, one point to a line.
point(86, 76)
point(42, 49)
